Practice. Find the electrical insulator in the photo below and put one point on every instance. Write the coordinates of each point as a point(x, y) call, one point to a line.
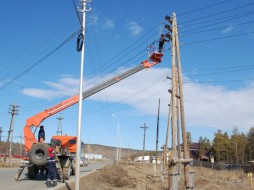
point(168, 27)
point(168, 36)
point(168, 19)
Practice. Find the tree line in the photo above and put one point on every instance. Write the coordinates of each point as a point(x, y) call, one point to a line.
point(237, 148)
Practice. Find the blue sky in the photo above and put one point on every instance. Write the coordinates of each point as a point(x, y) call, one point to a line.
point(217, 42)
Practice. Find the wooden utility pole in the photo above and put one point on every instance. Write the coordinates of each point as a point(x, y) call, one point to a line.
point(178, 131)
point(188, 184)
point(1, 130)
point(13, 112)
point(157, 134)
point(144, 140)
point(172, 164)
point(177, 113)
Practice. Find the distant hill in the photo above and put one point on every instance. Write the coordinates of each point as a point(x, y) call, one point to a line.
point(108, 151)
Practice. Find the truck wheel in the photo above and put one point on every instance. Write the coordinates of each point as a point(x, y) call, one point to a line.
point(32, 172)
point(38, 154)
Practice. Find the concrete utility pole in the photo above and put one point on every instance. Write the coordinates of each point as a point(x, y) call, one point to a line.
point(144, 140)
point(82, 40)
point(118, 137)
point(13, 111)
point(59, 130)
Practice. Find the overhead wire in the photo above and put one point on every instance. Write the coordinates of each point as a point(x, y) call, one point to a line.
point(216, 14)
point(38, 62)
point(212, 29)
point(76, 11)
point(205, 7)
point(102, 95)
point(33, 48)
point(219, 38)
point(234, 18)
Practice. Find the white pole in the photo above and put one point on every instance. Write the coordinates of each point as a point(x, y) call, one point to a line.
point(118, 134)
point(77, 164)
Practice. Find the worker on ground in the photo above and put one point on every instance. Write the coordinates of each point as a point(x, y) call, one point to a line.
point(161, 42)
point(51, 167)
point(41, 134)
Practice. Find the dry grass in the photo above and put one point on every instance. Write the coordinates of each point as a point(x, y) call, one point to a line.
point(220, 179)
point(7, 164)
point(139, 176)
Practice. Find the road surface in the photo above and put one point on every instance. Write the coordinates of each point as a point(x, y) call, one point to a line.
point(7, 175)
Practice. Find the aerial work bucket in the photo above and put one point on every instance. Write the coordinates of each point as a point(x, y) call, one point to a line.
point(154, 54)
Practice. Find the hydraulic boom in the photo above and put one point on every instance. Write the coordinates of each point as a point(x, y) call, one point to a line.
point(38, 118)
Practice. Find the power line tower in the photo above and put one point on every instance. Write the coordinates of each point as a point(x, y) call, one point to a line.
point(13, 111)
point(144, 140)
point(59, 130)
point(177, 113)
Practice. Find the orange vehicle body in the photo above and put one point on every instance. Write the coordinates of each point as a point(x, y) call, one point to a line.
point(68, 142)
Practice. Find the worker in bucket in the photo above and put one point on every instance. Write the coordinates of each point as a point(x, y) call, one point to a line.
point(51, 167)
point(41, 134)
point(161, 42)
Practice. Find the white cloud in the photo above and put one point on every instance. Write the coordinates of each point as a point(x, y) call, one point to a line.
point(227, 30)
point(134, 28)
point(93, 19)
point(108, 24)
point(205, 105)
point(64, 87)
point(38, 93)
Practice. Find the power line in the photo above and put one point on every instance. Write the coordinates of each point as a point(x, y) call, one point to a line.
point(234, 17)
point(18, 62)
point(38, 62)
point(203, 8)
point(220, 38)
point(218, 13)
point(77, 13)
point(212, 29)
point(219, 81)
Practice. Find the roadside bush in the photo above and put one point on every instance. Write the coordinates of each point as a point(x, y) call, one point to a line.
point(116, 176)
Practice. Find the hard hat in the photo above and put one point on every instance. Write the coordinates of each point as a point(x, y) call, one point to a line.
point(50, 149)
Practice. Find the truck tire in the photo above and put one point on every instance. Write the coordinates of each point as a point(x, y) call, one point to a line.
point(38, 154)
point(32, 172)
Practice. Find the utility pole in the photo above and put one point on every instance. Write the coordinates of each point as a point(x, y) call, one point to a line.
point(157, 136)
point(176, 99)
point(1, 134)
point(144, 140)
point(189, 181)
point(21, 150)
point(13, 111)
point(82, 45)
point(59, 130)
point(118, 137)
